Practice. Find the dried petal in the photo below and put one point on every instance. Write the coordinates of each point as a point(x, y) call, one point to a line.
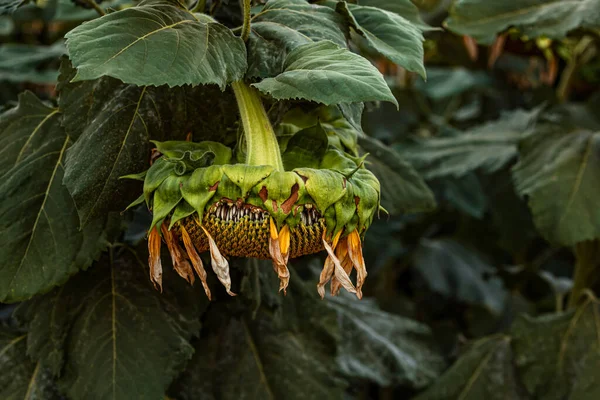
point(341, 252)
point(179, 258)
point(154, 261)
point(219, 263)
point(339, 272)
point(195, 259)
point(356, 255)
point(328, 267)
point(325, 276)
point(277, 243)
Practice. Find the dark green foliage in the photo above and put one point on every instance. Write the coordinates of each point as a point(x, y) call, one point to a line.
point(482, 265)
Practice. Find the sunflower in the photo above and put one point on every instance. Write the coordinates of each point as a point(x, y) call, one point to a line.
point(202, 201)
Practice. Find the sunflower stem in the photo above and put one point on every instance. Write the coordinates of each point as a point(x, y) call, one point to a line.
point(586, 255)
point(246, 27)
point(261, 143)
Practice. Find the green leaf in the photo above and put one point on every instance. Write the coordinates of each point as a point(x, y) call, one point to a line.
point(156, 43)
point(311, 20)
point(285, 352)
point(23, 63)
point(9, 6)
point(558, 172)
point(552, 18)
point(204, 111)
point(488, 147)
point(396, 38)
point(328, 74)
point(557, 355)
point(403, 190)
point(283, 25)
point(306, 148)
point(111, 334)
point(382, 347)
point(459, 273)
point(404, 8)
point(484, 371)
point(20, 378)
point(41, 244)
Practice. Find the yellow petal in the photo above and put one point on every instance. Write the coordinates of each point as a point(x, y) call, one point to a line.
point(154, 261)
point(279, 257)
point(180, 264)
point(195, 259)
point(219, 263)
point(339, 272)
point(356, 255)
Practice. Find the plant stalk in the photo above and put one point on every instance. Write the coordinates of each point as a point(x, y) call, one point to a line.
point(587, 255)
point(199, 7)
point(96, 7)
point(261, 143)
point(246, 6)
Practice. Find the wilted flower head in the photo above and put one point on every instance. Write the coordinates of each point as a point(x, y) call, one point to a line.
point(202, 202)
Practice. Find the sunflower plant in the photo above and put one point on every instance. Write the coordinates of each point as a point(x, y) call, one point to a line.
point(180, 135)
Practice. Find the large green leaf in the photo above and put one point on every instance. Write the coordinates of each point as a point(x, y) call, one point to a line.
point(558, 355)
point(559, 173)
point(204, 111)
point(310, 20)
point(488, 147)
point(553, 18)
point(157, 43)
point(457, 272)
point(402, 189)
point(388, 33)
point(328, 74)
point(283, 25)
point(120, 119)
point(110, 334)
point(484, 371)
point(384, 348)
point(20, 378)
point(287, 351)
point(41, 244)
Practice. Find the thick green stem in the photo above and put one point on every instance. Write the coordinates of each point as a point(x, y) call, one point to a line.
point(246, 6)
point(199, 7)
point(261, 143)
point(586, 272)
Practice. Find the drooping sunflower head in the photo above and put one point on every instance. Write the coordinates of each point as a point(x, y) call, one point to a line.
point(201, 201)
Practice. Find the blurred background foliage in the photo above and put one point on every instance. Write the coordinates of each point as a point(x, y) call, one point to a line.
point(468, 301)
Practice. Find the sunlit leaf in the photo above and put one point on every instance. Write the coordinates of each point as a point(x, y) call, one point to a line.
point(156, 43)
point(328, 74)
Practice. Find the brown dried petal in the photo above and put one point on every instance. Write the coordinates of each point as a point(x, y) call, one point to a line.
point(325, 276)
point(339, 272)
point(355, 254)
point(219, 263)
point(154, 260)
point(180, 263)
point(341, 252)
point(328, 268)
point(195, 259)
